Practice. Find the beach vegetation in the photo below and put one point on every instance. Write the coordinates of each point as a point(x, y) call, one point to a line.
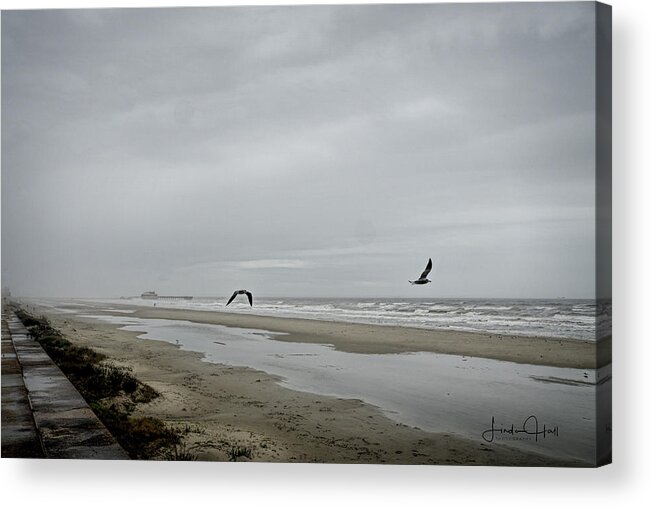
point(112, 392)
point(238, 451)
point(180, 452)
point(141, 437)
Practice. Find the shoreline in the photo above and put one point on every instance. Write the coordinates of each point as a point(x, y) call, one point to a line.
point(381, 339)
point(225, 406)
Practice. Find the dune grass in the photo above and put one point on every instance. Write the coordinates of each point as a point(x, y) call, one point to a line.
point(112, 392)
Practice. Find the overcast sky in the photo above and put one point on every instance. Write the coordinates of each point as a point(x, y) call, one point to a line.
point(306, 151)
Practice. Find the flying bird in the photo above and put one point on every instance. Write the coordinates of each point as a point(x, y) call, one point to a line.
point(422, 280)
point(241, 291)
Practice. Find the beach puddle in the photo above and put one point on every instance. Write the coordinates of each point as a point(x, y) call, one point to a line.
point(535, 408)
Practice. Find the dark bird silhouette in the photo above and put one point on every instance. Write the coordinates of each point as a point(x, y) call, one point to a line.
point(241, 291)
point(422, 280)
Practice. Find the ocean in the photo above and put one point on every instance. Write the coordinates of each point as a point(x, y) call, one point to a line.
point(581, 319)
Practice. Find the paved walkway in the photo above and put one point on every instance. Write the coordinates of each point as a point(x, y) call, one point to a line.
point(43, 415)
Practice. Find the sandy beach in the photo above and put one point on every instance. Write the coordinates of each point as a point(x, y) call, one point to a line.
point(222, 406)
point(371, 339)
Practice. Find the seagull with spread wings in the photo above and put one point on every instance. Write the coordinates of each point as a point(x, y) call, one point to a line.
point(241, 291)
point(422, 280)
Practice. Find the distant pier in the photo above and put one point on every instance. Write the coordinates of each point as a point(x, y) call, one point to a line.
point(152, 295)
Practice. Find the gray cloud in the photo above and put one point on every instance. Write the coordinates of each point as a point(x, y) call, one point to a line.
point(322, 150)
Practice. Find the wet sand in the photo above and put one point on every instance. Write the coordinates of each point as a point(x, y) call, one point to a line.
point(372, 339)
point(222, 406)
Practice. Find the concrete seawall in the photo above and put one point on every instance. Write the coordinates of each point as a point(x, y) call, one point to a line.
point(43, 415)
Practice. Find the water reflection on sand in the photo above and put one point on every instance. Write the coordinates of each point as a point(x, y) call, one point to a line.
point(435, 392)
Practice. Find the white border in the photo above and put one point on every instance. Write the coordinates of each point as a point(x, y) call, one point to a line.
point(69, 483)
